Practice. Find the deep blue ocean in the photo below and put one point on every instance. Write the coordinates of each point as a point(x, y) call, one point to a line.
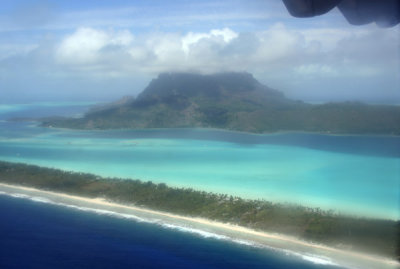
point(40, 235)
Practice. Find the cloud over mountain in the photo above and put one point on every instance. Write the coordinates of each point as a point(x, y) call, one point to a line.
point(342, 62)
point(301, 52)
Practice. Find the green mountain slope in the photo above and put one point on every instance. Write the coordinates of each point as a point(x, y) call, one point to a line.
point(234, 101)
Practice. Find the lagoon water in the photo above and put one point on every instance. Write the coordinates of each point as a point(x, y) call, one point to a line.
point(358, 174)
point(353, 174)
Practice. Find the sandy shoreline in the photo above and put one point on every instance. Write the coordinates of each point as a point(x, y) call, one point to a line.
point(347, 258)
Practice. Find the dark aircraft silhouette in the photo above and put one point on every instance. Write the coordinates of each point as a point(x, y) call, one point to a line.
point(385, 13)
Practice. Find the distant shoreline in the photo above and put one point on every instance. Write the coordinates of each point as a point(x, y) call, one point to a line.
point(40, 121)
point(219, 130)
point(242, 233)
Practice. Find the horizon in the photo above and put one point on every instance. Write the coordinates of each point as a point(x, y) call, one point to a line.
point(92, 102)
point(64, 51)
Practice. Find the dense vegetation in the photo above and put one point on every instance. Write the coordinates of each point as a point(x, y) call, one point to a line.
point(234, 101)
point(371, 235)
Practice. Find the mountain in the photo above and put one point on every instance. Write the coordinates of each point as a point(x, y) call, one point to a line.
point(234, 101)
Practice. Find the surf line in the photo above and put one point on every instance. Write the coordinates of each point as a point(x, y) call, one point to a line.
point(206, 222)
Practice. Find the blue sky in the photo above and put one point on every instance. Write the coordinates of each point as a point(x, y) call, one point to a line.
point(102, 50)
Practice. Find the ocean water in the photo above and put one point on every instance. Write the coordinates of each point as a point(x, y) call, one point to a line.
point(359, 174)
point(353, 174)
point(44, 109)
point(38, 234)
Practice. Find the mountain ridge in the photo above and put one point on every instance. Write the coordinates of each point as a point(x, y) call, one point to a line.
point(233, 101)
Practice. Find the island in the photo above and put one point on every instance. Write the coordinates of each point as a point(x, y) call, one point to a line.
point(231, 101)
point(345, 233)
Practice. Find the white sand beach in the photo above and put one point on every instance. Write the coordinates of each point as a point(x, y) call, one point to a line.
point(308, 250)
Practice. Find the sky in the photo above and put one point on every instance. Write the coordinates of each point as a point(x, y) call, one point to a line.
point(96, 50)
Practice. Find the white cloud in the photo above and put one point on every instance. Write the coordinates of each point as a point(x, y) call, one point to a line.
point(121, 38)
point(278, 49)
point(88, 49)
point(226, 35)
point(329, 37)
point(86, 44)
point(277, 55)
point(277, 43)
point(165, 47)
point(139, 54)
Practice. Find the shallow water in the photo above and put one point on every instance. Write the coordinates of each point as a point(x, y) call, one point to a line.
point(355, 174)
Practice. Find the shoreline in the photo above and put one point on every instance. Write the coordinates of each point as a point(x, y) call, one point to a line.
point(348, 258)
point(266, 133)
point(343, 209)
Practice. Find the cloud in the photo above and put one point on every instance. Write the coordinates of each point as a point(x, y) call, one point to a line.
point(213, 51)
point(88, 46)
point(225, 35)
point(278, 48)
point(284, 57)
point(316, 69)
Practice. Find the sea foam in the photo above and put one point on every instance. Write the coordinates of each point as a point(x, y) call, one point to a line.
point(318, 259)
point(181, 228)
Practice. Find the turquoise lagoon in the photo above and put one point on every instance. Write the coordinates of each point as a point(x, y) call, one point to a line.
point(353, 174)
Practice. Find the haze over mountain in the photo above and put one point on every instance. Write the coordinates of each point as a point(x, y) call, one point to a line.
point(234, 101)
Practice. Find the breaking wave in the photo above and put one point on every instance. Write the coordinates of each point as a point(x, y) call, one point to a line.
point(321, 260)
